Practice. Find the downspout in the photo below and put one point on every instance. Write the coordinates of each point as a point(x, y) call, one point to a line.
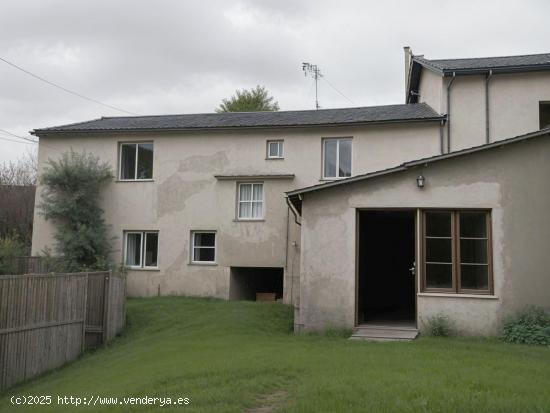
point(441, 137)
point(294, 212)
point(487, 121)
point(449, 112)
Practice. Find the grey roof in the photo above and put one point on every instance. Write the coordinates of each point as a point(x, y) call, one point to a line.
point(296, 195)
point(296, 118)
point(477, 65)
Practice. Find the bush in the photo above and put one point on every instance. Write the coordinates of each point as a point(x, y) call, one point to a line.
point(439, 326)
point(528, 326)
point(11, 247)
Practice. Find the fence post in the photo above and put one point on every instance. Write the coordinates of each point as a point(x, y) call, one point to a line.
point(106, 287)
point(85, 316)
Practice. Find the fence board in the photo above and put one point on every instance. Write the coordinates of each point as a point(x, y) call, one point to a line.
point(45, 318)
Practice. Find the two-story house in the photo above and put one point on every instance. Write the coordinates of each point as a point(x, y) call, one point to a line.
point(364, 234)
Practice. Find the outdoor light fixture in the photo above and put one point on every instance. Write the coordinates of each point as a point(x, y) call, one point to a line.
point(420, 181)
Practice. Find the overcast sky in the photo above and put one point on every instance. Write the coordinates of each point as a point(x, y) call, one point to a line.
point(161, 57)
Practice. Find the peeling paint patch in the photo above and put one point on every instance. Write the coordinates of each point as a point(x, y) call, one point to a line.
point(204, 163)
point(174, 192)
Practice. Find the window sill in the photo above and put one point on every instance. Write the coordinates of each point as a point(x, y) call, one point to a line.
point(333, 179)
point(453, 295)
point(204, 264)
point(134, 180)
point(274, 159)
point(249, 220)
point(156, 269)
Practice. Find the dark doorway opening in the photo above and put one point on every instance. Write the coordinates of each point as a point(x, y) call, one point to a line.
point(386, 280)
point(256, 283)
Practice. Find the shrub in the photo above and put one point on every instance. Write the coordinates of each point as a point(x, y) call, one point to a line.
point(528, 326)
point(11, 247)
point(439, 326)
point(71, 200)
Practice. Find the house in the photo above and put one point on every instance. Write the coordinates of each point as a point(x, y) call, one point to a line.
point(380, 201)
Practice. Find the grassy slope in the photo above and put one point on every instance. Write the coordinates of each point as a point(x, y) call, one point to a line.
point(225, 356)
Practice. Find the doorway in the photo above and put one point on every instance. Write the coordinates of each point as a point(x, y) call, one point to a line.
point(386, 293)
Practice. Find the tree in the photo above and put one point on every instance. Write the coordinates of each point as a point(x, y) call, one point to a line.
point(253, 100)
point(72, 187)
point(20, 173)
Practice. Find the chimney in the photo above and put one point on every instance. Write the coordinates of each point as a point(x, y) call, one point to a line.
point(408, 54)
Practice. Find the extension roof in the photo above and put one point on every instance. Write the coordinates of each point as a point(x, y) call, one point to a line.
point(295, 196)
point(478, 65)
point(417, 112)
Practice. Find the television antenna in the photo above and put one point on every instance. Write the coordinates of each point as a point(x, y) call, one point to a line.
point(313, 71)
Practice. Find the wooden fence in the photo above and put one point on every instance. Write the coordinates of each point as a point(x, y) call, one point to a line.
point(47, 320)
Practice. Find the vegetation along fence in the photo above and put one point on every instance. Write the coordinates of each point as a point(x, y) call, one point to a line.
point(47, 320)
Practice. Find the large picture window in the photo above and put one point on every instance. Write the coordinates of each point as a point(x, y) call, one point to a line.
point(204, 247)
point(251, 201)
point(337, 158)
point(141, 249)
point(136, 161)
point(457, 251)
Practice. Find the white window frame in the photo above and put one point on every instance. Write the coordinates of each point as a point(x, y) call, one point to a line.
point(136, 144)
point(141, 249)
point(280, 149)
point(239, 202)
point(338, 140)
point(193, 247)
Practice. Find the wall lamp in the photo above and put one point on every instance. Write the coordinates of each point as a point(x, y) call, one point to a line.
point(420, 181)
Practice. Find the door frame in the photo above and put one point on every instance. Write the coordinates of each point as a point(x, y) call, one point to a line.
point(417, 220)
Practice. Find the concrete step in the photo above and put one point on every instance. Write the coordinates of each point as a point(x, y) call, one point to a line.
point(384, 333)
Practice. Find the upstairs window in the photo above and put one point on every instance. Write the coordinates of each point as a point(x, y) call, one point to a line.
point(141, 249)
point(544, 115)
point(204, 247)
point(136, 161)
point(337, 158)
point(275, 150)
point(457, 252)
point(251, 201)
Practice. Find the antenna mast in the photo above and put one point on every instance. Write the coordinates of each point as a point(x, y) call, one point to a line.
point(315, 73)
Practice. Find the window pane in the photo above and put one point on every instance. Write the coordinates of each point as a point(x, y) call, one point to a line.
point(439, 275)
point(257, 192)
point(439, 250)
point(275, 149)
point(330, 158)
point(145, 161)
point(151, 249)
point(133, 249)
point(344, 158)
point(257, 210)
point(245, 192)
point(438, 224)
point(473, 250)
point(204, 254)
point(128, 161)
point(205, 239)
point(245, 209)
point(474, 277)
point(473, 224)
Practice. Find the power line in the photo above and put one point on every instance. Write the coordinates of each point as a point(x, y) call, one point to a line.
point(64, 88)
point(334, 87)
point(26, 139)
point(16, 141)
point(18, 136)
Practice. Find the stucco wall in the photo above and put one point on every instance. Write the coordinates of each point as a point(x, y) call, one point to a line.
point(511, 181)
point(185, 196)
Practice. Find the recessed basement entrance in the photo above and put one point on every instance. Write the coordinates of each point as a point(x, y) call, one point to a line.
point(386, 278)
point(256, 283)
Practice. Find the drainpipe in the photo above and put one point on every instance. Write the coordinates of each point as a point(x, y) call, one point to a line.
point(294, 212)
point(441, 138)
point(487, 122)
point(449, 112)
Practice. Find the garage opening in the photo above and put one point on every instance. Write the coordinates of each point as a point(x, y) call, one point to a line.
point(386, 276)
point(256, 284)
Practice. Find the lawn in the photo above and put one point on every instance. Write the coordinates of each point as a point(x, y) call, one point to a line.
point(233, 356)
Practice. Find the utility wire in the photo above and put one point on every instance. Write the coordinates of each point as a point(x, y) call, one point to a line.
point(64, 88)
point(28, 140)
point(16, 141)
point(334, 87)
point(17, 136)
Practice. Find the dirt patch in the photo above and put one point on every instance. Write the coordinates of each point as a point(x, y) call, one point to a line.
point(270, 403)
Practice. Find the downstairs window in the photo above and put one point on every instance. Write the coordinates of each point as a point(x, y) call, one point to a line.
point(141, 249)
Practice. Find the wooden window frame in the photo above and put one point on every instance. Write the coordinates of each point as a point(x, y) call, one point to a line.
point(239, 202)
point(142, 247)
point(455, 255)
point(193, 247)
point(281, 149)
point(136, 144)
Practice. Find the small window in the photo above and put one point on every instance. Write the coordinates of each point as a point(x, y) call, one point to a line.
point(136, 161)
point(141, 249)
point(337, 158)
point(544, 114)
point(251, 201)
point(204, 247)
point(275, 150)
point(457, 251)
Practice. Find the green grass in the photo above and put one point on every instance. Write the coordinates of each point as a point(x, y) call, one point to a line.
point(230, 356)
